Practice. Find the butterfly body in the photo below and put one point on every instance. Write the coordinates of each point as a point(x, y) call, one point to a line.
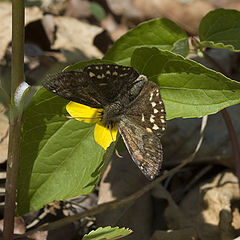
point(127, 99)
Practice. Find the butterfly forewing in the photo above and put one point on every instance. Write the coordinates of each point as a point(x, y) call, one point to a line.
point(96, 86)
point(74, 86)
point(112, 81)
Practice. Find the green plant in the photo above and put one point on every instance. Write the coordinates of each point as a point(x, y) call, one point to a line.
point(53, 148)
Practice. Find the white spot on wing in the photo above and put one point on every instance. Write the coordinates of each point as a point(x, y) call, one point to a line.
point(91, 74)
point(102, 84)
point(151, 96)
point(149, 130)
point(153, 104)
point(155, 127)
point(162, 120)
point(152, 120)
point(143, 119)
point(155, 110)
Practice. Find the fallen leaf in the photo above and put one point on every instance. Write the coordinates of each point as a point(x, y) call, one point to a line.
point(208, 207)
point(3, 135)
point(72, 35)
point(31, 14)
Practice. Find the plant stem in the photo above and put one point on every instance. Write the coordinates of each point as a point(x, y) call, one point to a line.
point(228, 122)
point(12, 169)
point(234, 140)
point(14, 116)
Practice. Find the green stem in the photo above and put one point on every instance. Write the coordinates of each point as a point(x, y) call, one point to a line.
point(14, 116)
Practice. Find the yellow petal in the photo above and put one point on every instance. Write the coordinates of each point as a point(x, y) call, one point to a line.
point(83, 113)
point(103, 136)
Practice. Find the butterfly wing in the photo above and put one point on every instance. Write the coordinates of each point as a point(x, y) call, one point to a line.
point(111, 81)
point(73, 86)
point(96, 86)
point(141, 128)
point(145, 148)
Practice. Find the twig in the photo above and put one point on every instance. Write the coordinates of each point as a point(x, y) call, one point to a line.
point(228, 122)
point(234, 140)
point(118, 203)
point(14, 116)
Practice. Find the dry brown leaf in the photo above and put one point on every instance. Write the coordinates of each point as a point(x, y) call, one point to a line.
point(125, 8)
point(31, 14)
point(3, 135)
point(39, 235)
point(115, 30)
point(19, 225)
point(73, 35)
point(78, 9)
point(208, 207)
point(55, 7)
point(233, 5)
point(186, 15)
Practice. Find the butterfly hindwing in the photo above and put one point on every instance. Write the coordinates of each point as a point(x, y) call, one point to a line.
point(145, 148)
point(141, 127)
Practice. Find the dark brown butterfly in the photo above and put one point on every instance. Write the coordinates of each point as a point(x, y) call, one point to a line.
point(127, 99)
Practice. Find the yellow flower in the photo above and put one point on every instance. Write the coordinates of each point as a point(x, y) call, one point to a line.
point(102, 134)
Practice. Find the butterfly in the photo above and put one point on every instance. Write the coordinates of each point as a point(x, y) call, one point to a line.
point(128, 100)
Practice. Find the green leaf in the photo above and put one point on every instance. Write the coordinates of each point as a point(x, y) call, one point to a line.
point(97, 10)
point(107, 233)
point(221, 29)
point(188, 89)
point(160, 33)
point(59, 158)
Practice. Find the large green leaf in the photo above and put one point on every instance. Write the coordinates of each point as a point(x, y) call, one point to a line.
point(188, 89)
point(160, 33)
point(221, 29)
point(107, 233)
point(59, 158)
